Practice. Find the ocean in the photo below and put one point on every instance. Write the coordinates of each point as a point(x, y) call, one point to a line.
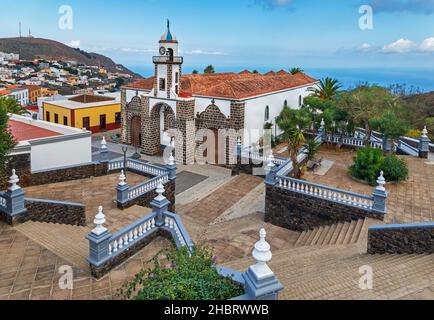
point(415, 79)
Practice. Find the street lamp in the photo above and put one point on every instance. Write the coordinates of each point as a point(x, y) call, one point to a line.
point(125, 150)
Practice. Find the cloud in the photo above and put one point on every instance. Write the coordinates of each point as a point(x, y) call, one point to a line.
point(415, 6)
point(273, 4)
point(365, 47)
point(427, 45)
point(399, 46)
point(74, 44)
point(137, 50)
point(203, 52)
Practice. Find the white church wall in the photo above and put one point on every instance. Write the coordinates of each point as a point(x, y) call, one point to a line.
point(255, 108)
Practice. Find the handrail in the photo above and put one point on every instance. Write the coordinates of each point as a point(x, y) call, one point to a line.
point(325, 192)
point(174, 222)
point(145, 187)
point(145, 167)
point(407, 148)
point(3, 204)
point(131, 234)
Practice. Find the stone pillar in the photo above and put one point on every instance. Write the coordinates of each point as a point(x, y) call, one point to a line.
point(122, 190)
point(387, 144)
point(380, 195)
point(99, 241)
point(124, 118)
point(160, 205)
point(424, 142)
point(171, 166)
point(14, 197)
point(260, 281)
point(237, 112)
point(322, 131)
point(103, 151)
point(270, 171)
point(185, 123)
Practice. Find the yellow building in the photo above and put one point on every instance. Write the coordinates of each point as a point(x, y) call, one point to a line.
point(92, 112)
point(34, 93)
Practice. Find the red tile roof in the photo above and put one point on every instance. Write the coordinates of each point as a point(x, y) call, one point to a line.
point(23, 131)
point(234, 85)
point(4, 92)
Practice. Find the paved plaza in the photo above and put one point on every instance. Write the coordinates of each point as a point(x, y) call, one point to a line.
point(224, 212)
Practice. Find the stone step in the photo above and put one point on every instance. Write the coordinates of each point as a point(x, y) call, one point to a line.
point(357, 231)
point(343, 233)
point(300, 240)
point(350, 232)
point(329, 234)
point(336, 234)
point(317, 236)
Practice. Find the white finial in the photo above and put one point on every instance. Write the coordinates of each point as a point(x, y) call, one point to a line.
point(424, 133)
point(239, 141)
point(99, 222)
point(381, 182)
point(103, 144)
point(13, 180)
point(322, 123)
point(171, 159)
point(122, 179)
point(262, 254)
point(160, 190)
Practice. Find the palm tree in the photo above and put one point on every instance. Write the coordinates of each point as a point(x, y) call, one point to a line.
point(12, 106)
point(326, 89)
point(295, 70)
point(296, 140)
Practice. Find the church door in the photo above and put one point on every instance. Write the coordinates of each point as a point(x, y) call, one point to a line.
point(136, 126)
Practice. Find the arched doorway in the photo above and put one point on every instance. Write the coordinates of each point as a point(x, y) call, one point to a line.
point(136, 131)
point(163, 117)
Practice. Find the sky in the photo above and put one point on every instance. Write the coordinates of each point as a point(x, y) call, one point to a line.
point(238, 34)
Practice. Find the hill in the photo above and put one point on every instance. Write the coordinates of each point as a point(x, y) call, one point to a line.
point(33, 48)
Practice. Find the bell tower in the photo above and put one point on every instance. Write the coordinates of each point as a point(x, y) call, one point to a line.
point(168, 67)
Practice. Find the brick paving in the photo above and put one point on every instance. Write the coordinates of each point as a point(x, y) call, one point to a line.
point(408, 202)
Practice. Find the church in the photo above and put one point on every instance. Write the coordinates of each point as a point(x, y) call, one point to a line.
point(156, 107)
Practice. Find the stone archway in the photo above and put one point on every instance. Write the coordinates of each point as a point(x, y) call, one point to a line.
point(136, 131)
point(162, 118)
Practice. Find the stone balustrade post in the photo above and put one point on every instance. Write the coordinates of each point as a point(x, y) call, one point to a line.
point(99, 241)
point(103, 151)
point(260, 281)
point(171, 167)
point(160, 205)
point(424, 142)
point(321, 131)
point(122, 189)
point(380, 195)
point(270, 171)
point(387, 144)
point(14, 197)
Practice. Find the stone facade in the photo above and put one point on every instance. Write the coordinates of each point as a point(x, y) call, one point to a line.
point(301, 212)
point(54, 212)
point(410, 239)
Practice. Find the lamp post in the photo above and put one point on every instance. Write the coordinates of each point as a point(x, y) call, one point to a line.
point(125, 150)
point(136, 154)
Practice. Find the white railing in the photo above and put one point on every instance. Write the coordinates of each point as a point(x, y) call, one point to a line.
point(327, 193)
point(115, 165)
point(145, 167)
point(2, 201)
point(254, 155)
point(145, 187)
point(172, 224)
point(354, 142)
point(137, 231)
point(408, 149)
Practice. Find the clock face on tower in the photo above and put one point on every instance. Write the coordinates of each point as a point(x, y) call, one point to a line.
point(162, 51)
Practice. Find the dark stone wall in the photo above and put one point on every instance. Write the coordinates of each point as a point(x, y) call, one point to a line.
point(53, 212)
point(410, 240)
point(145, 200)
point(99, 272)
point(300, 212)
point(69, 173)
point(21, 163)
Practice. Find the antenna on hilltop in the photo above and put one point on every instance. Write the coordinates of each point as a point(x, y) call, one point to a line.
point(20, 29)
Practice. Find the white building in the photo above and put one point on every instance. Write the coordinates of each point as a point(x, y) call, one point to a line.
point(9, 56)
point(242, 101)
point(50, 145)
point(19, 94)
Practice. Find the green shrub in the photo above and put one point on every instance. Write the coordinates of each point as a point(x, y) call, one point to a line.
point(395, 169)
point(177, 275)
point(367, 165)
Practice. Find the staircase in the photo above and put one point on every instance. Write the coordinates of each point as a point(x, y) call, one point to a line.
point(332, 272)
point(346, 233)
point(65, 241)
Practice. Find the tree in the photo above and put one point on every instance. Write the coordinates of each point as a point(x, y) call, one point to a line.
point(390, 125)
point(366, 103)
point(291, 118)
point(328, 88)
point(255, 71)
point(119, 82)
point(209, 69)
point(195, 72)
point(7, 142)
point(296, 140)
point(295, 70)
point(12, 106)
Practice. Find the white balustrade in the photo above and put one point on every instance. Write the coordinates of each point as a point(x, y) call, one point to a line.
point(336, 195)
point(124, 239)
point(145, 167)
point(141, 189)
point(116, 165)
point(2, 202)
